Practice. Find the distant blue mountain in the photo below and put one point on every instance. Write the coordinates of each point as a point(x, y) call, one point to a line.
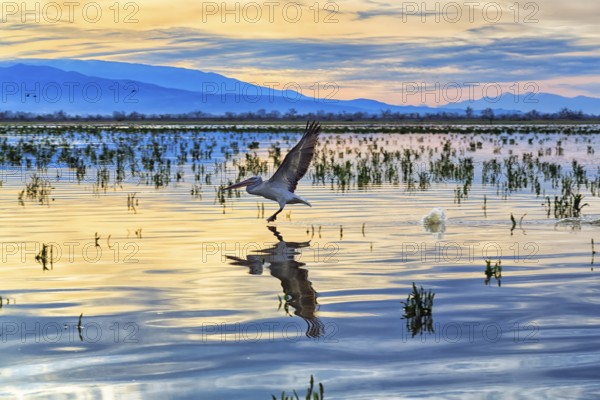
point(542, 102)
point(168, 77)
point(199, 81)
point(91, 87)
point(42, 89)
point(132, 87)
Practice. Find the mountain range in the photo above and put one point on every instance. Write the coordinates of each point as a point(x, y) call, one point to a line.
point(91, 87)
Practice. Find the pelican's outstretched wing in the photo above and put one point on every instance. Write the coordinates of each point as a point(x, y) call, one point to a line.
point(296, 162)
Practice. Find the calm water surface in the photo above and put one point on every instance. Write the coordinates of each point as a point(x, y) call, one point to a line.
point(186, 295)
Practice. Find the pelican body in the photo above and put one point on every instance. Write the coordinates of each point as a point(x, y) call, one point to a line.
point(281, 186)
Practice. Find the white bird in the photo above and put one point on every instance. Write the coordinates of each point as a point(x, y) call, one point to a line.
point(281, 186)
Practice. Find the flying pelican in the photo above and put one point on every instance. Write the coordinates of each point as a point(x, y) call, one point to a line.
point(281, 186)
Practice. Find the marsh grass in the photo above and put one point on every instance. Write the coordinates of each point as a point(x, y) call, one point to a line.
point(418, 309)
point(569, 205)
point(494, 271)
point(196, 191)
point(593, 255)
point(38, 190)
point(311, 393)
point(46, 257)
point(348, 156)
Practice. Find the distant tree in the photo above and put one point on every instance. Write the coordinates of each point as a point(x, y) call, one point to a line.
point(532, 115)
point(386, 114)
point(291, 113)
point(134, 115)
point(60, 115)
point(274, 114)
point(118, 115)
point(488, 114)
point(469, 112)
point(566, 113)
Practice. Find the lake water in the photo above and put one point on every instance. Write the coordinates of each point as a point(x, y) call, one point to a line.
point(187, 294)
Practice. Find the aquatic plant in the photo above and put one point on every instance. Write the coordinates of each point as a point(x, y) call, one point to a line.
point(311, 394)
point(196, 191)
point(593, 255)
point(38, 189)
point(46, 257)
point(514, 223)
point(568, 205)
point(132, 202)
point(80, 327)
point(418, 311)
point(495, 271)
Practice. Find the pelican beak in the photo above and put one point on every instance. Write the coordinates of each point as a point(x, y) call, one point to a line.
point(239, 184)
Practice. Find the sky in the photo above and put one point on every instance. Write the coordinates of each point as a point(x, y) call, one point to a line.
point(400, 52)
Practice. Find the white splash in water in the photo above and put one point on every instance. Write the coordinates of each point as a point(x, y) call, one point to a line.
point(435, 222)
point(436, 216)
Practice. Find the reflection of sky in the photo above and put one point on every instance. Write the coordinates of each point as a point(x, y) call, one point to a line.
point(179, 289)
point(368, 48)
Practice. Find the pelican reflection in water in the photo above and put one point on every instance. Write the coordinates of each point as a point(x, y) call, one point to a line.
point(297, 289)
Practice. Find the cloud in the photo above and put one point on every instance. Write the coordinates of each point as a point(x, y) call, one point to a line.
point(373, 64)
point(498, 58)
point(407, 10)
point(483, 55)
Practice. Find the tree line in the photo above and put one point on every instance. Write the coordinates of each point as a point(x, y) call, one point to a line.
point(487, 115)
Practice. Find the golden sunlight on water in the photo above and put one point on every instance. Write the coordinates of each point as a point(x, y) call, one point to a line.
point(196, 295)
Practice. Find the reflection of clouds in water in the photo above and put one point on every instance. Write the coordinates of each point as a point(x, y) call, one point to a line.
point(435, 222)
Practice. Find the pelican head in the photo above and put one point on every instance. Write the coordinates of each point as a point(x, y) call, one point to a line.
point(253, 181)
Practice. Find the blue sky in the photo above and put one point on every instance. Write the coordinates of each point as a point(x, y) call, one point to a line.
point(425, 52)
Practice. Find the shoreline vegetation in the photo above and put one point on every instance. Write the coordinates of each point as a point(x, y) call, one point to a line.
point(331, 127)
point(299, 124)
point(284, 127)
point(273, 118)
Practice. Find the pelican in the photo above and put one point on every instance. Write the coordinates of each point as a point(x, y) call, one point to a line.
point(281, 186)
